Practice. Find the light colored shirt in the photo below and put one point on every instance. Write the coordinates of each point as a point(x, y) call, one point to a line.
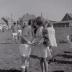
point(27, 33)
point(51, 35)
point(25, 49)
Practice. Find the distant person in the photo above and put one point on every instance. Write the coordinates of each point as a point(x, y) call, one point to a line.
point(68, 38)
point(14, 31)
point(19, 31)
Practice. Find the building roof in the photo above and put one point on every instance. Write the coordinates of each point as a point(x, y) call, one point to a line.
point(67, 17)
point(70, 14)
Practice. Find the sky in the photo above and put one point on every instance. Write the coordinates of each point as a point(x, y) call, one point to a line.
point(51, 9)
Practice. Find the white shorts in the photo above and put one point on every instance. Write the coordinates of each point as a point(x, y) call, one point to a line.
point(25, 50)
point(20, 32)
point(14, 34)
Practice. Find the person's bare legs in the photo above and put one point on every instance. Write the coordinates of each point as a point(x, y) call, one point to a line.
point(41, 64)
point(25, 63)
point(23, 67)
point(46, 65)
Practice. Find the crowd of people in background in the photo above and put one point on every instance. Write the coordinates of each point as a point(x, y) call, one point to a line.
point(35, 34)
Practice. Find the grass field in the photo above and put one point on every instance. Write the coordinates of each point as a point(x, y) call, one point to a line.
point(10, 57)
point(9, 54)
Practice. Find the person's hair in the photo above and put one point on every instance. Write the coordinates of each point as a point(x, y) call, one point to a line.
point(30, 22)
point(49, 25)
point(33, 23)
point(39, 21)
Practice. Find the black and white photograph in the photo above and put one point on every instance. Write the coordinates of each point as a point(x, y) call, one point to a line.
point(35, 35)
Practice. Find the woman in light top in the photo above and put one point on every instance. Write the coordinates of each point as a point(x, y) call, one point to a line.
point(41, 49)
point(46, 49)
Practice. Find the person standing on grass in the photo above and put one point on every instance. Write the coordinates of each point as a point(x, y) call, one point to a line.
point(14, 31)
point(41, 49)
point(39, 54)
point(19, 31)
point(46, 52)
point(25, 47)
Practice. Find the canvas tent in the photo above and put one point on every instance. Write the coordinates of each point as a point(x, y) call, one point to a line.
point(67, 17)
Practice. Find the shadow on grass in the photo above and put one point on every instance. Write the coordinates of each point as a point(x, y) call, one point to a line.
point(59, 71)
point(67, 52)
point(11, 70)
point(65, 56)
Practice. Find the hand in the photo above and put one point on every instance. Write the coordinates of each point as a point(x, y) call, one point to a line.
point(29, 42)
